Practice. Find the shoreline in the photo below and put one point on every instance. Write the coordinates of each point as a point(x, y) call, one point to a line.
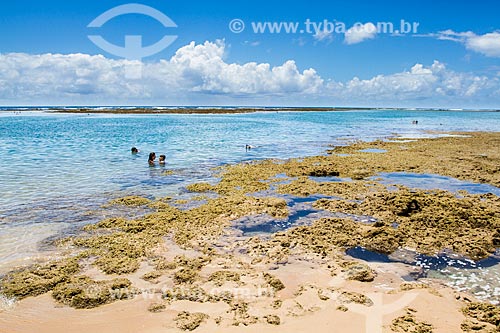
point(219, 110)
point(198, 251)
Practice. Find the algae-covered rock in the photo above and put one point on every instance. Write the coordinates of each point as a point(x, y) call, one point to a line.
point(131, 200)
point(428, 221)
point(277, 304)
point(405, 286)
point(273, 319)
point(221, 277)
point(483, 312)
point(191, 293)
point(185, 275)
point(200, 187)
point(110, 264)
point(188, 321)
point(274, 282)
point(360, 272)
point(354, 297)
point(81, 292)
point(239, 309)
point(151, 276)
point(38, 279)
point(409, 323)
point(156, 307)
point(473, 325)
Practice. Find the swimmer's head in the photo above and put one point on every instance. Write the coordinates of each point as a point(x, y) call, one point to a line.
point(134, 150)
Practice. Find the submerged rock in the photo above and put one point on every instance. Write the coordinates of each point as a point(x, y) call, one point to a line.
point(131, 200)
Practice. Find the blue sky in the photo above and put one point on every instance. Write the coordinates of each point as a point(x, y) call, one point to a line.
point(460, 35)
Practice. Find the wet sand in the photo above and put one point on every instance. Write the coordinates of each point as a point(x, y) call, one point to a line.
point(179, 270)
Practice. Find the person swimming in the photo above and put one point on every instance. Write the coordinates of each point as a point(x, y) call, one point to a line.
point(134, 150)
point(151, 159)
point(248, 147)
point(161, 160)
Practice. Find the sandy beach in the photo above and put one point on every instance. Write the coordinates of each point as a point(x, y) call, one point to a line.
point(183, 266)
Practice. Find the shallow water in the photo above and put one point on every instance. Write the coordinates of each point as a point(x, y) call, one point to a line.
point(56, 167)
point(431, 182)
point(481, 278)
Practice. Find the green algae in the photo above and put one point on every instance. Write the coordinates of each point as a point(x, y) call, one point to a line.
point(277, 304)
point(274, 282)
point(354, 297)
point(239, 309)
point(131, 200)
point(273, 319)
point(191, 293)
point(185, 275)
point(483, 312)
point(81, 292)
point(409, 323)
point(428, 221)
point(200, 187)
point(188, 321)
point(359, 272)
point(221, 277)
point(152, 276)
point(156, 307)
point(38, 279)
point(130, 241)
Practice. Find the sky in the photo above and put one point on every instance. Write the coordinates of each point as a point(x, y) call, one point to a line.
point(445, 54)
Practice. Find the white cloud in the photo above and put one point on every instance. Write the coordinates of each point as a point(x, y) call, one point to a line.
point(194, 68)
point(360, 32)
point(199, 73)
point(421, 83)
point(487, 44)
point(323, 36)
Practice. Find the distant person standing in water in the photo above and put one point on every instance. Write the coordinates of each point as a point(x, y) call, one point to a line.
point(161, 160)
point(134, 150)
point(151, 159)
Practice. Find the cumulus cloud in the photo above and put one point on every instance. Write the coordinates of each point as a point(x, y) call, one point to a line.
point(421, 83)
point(193, 68)
point(359, 33)
point(199, 73)
point(487, 44)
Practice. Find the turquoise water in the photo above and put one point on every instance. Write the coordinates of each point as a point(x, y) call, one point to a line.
point(55, 167)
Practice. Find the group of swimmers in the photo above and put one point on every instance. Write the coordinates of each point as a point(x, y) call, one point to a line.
point(161, 160)
point(151, 158)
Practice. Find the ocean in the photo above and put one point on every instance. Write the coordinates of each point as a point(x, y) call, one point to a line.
point(56, 167)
